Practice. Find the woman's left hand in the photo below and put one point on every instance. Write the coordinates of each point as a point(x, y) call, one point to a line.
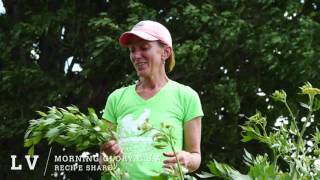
point(184, 158)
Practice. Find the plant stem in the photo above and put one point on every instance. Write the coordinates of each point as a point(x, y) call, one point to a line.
point(292, 116)
point(275, 157)
point(296, 126)
point(178, 163)
point(168, 136)
point(299, 137)
point(311, 98)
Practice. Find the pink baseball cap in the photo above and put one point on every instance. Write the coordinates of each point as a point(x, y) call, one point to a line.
point(150, 31)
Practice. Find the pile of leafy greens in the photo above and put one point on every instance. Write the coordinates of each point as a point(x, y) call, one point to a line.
point(67, 127)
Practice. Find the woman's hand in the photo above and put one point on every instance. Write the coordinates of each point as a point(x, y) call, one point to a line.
point(186, 159)
point(111, 148)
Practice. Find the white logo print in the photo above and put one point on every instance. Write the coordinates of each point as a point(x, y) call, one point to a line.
point(130, 125)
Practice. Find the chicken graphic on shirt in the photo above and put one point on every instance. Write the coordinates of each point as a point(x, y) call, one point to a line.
point(130, 125)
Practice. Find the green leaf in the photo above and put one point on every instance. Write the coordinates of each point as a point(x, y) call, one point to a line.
point(86, 122)
point(205, 175)
point(102, 125)
point(84, 132)
point(160, 177)
point(160, 145)
point(48, 121)
point(92, 113)
point(92, 137)
point(73, 109)
point(28, 142)
point(246, 138)
point(36, 139)
point(52, 133)
point(304, 105)
point(29, 130)
point(41, 113)
point(316, 104)
point(293, 130)
point(69, 117)
point(248, 158)
point(31, 151)
point(222, 170)
point(97, 128)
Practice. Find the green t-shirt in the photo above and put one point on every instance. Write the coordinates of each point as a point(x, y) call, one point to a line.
point(174, 104)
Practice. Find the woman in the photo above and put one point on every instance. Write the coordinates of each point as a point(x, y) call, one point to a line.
point(156, 99)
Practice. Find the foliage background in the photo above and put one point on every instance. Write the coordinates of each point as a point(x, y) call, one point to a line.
point(234, 53)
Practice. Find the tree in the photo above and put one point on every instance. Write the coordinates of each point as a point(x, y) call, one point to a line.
point(228, 51)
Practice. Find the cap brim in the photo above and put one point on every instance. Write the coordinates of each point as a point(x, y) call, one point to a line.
point(124, 39)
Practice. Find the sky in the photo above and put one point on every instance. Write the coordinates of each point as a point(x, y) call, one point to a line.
point(2, 10)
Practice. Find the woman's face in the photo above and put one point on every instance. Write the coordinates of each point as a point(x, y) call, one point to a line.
point(147, 57)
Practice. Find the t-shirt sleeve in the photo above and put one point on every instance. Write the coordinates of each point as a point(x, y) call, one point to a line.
point(192, 105)
point(109, 112)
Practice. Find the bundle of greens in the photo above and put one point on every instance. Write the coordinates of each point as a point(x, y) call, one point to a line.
point(67, 127)
point(162, 139)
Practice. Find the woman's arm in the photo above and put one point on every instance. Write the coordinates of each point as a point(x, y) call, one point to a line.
point(190, 156)
point(192, 137)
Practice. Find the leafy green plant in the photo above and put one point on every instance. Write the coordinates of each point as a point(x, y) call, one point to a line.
point(162, 139)
point(288, 141)
point(67, 127)
point(71, 128)
point(114, 171)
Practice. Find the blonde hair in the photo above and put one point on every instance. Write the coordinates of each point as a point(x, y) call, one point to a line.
point(170, 62)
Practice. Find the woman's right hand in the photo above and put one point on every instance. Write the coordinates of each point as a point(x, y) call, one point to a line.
point(111, 148)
